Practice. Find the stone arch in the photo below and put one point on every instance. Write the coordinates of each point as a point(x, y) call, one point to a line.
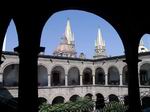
point(146, 102)
point(74, 98)
point(10, 75)
point(45, 66)
point(113, 76)
point(42, 76)
point(99, 76)
point(125, 75)
point(58, 99)
point(7, 64)
point(99, 101)
point(87, 76)
point(41, 100)
point(113, 97)
point(141, 63)
point(145, 74)
point(74, 66)
point(73, 76)
point(88, 96)
point(58, 76)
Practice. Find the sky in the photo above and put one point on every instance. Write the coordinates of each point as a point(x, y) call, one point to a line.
point(84, 26)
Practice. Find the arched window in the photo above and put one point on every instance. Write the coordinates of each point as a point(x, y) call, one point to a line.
point(99, 76)
point(10, 75)
point(42, 76)
point(145, 74)
point(87, 76)
point(113, 76)
point(125, 75)
point(58, 99)
point(58, 76)
point(73, 76)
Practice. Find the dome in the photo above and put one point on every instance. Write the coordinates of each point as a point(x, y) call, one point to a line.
point(65, 49)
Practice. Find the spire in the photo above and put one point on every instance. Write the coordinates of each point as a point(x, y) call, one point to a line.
point(4, 44)
point(99, 46)
point(68, 32)
point(66, 47)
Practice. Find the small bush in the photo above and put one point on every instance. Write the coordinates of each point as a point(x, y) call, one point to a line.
point(114, 107)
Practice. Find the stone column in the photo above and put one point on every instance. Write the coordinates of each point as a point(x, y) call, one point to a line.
point(106, 79)
point(121, 80)
point(66, 80)
point(49, 80)
point(94, 99)
point(81, 81)
point(93, 79)
point(1, 79)
point(139, 79)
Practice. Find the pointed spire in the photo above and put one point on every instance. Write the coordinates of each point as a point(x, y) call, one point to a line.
point(68, 32)
point(99, 46)
point(4, 44)
point(100, 42)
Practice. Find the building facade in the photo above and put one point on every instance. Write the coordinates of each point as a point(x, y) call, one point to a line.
point(64, 76)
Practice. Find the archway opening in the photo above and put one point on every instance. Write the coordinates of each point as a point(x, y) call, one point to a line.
point(42, 76)
point(99, 101)
point(145, 74)
point(11, 38)
point(73, 76)
point(58, 76)
point(10, 75)
point(87, 76)
point(146, 102)
point(99, 76)
point(144, 45)
point(113, 76)
point(126, 100)
point(125, 75)
point(58, 100)
point(41, 100)
point(74, 98)
point(79, 21)
point(113, 97)
point(88, 96)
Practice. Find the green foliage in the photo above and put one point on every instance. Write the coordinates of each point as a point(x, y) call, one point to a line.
point(81, 105)
point(114, 107)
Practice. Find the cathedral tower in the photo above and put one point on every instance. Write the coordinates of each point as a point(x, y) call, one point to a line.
point(100, 50)
point(66, 48)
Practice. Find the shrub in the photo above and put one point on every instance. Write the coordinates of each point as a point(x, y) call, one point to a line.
point(82, 105)
point(114, 107)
